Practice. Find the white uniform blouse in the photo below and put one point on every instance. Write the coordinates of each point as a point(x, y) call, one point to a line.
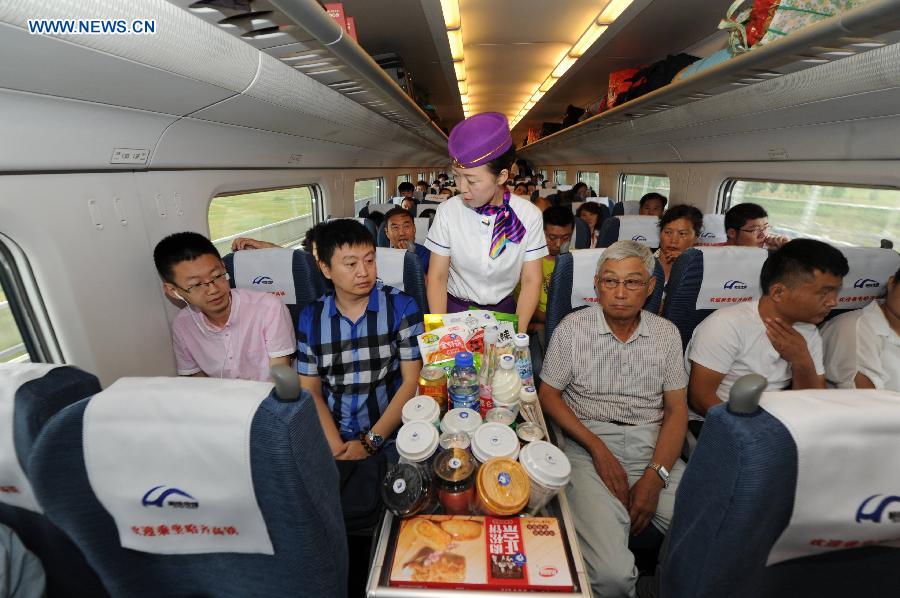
point(464, 235)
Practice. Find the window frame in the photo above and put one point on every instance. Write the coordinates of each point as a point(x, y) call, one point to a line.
point(593, 172)
point(556, 176)
point(379, 192)
point(622, 187)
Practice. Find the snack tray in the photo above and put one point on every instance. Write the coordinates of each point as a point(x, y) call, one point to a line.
point(386, 537)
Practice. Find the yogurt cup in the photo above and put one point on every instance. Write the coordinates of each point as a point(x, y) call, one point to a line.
point(548, 468)
point(416, 442)
point(461, 420)
point(421, 408)
point(494, 440)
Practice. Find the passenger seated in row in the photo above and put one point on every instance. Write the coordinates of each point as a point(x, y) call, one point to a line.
point(580, 191)
point(422, 186)
point(559, 224)
point(221, 332)
point(405, 189)
point(409, 204)
point(653, 204)
point(862, 347)
point(521, 189)
point(747, 225)
point(774, 336)
point(592, 214)
point(400, 228)
point(357, 353)
point(614, 382)
point(679, 230)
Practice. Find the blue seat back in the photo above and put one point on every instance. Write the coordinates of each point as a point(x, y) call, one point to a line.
point(734, 500)
point(296, 486)
point(370, 226)
point(308, 282)
point(618, 209)
point(643, 229)
point(67, 571)
point(582, 234)
point(560, 302)
point(381, 239)
point(411, 280)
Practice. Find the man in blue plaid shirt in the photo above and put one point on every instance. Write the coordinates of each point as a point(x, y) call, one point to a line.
point(356, 347)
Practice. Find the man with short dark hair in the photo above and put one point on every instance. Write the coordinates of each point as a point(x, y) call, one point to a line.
point(357, 351)
point(774, 336)
point(747, 225)
point(559, 224)
point(400, 229)
point(409, 204)
point(221, 332)
point(406, 189)
point(653, 204)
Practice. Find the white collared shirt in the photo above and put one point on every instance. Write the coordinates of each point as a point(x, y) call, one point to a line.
point(862, 341)
point(464, 235)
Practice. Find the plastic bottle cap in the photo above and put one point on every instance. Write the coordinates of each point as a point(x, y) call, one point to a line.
point(528, 394)
point(417, 441)
point(494, 440)
point(421, 408)
point(507, 362)
point(463, 359)
point(521, 340)
point(545, 464)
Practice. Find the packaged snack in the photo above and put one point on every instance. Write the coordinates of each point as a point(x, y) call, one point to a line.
point(443, 343)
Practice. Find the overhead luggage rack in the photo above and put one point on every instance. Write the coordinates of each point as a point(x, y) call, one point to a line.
point(302, 35)
point(868, 27)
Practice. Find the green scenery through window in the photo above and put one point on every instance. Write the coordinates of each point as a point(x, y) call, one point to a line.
point(282, 217)
point(854, 216)
point(366, 191)
point(11, 346)
point(638, 185)
point(591, 179)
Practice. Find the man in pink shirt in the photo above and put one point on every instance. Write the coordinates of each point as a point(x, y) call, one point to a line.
point(221, 332)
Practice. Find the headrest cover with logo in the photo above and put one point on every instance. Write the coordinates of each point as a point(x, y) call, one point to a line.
point(713, 231)
point(584, 267)
point(601, 200)
point(870, 267)
point(860, 429)
point(15, 489)
point(169, 459)
point(479, 139)
point(632, 208)
point(643, 229)
point(268, 270)
point(436, 198)
point(730, 275)
point(389, 263)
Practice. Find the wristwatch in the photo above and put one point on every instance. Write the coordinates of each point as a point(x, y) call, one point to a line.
point(376, 441)
point(662, 472)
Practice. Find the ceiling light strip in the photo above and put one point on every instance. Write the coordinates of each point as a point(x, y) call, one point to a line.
point(453, 25)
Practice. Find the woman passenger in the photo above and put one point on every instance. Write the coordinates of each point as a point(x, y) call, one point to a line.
point(679, 229)
point(580, 192)
point(486, 240)
point(591, 213)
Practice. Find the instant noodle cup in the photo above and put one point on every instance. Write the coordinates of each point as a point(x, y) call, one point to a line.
point(494, 440)
point(417, 442)
point(461, 420)
point(548, 468)
point(503, 487)
point(422, 408)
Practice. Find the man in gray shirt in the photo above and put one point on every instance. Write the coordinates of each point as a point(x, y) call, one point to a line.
point(614, 381)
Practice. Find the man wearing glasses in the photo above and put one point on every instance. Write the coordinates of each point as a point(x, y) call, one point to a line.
point(747, 225)
point(614, 382)
point(221, 332)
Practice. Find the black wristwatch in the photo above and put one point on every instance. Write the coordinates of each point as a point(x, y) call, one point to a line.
point(372, 440)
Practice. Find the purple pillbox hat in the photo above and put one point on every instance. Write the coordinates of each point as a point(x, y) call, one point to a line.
point(479, 139)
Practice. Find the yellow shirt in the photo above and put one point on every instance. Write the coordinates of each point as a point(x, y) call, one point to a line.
point(547, 266)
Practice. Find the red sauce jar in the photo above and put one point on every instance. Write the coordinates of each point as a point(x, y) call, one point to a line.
point(454, 471)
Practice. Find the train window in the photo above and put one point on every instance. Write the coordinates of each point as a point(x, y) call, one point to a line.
point(280, 216)
point(402, 178)
point(367, 191)
point(591, 179)
point(543, 173)
point(421, 177)
point(841, 215)
point(635, 186)
point(12, 347)
point(21, 338)
point(559, 176)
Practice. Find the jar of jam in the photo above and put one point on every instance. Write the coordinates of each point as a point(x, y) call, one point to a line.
point(502, 487)
point(454, 472)
point(406, 491)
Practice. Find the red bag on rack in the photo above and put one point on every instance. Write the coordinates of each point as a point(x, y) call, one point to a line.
point(760, 16)
point(619, 83)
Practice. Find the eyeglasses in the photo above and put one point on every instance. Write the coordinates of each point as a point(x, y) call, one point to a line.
point(631, 284)
point(756, 230)
point(209, 283)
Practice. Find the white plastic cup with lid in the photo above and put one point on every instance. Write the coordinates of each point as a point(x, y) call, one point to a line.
point(494, 440)
point(417, 442)
point(548, 468)
point(421, 408)
point(461, 419)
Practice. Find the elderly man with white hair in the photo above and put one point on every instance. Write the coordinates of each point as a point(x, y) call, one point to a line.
point(614, 381)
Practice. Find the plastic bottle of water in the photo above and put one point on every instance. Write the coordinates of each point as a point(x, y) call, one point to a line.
point(463, 387)
point(523, 359)
point(488, 367)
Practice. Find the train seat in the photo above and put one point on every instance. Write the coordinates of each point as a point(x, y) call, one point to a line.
point(705, 279)
point(762, 511)
point(30, 394)
point(870, 267)
point(217, 488)
point(626, 208)
point(581, 235)
point(643, 229)
point(290, 274)
point(713, 231)
point(402, 270)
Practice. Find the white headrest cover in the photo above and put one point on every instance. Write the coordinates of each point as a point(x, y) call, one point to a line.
point(730, 275)
point(389, 262)
point(584, 267)
point(269, 270)
point(601, 200)
point(576, 205)
point(422, 225)
point(632, 208)
point(546, 192)
point(15, 489)
point(713, 232)
point(643, 229)
point(563, 187)
point(169, 459)
point(436, 197)
point(381, 207)
point(846, 495)
point(870, 267)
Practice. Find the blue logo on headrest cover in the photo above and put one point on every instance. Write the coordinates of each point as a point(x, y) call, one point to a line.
point(707, 235)
point(639, 238)
point(159, 501)
point(262, 280)
point(866, 283)
point(875, 515)
point(735, 284)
